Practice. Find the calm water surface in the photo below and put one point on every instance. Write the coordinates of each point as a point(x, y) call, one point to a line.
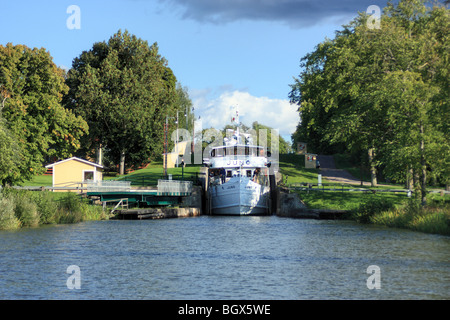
point(223, 258)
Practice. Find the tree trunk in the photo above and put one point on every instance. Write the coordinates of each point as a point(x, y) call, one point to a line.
point(122, 163)
point(373, 170)
point(409, 179)
point(423, 175)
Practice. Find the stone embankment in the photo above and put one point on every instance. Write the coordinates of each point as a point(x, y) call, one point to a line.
point(190, 207)
point(289, 205)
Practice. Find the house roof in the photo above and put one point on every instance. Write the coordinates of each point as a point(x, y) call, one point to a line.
point(76, 159)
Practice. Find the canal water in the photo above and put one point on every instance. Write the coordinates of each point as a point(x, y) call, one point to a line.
point(218, 258)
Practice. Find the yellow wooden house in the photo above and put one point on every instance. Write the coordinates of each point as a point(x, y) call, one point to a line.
point(74, 173)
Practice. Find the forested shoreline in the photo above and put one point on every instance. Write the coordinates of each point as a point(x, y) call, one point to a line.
point(382, 95)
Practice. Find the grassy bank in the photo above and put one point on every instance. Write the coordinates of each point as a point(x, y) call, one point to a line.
point(292, 167)
point(150, 175)
point(339, 200)
point(433, 218)
point(387, 209)
point(378, 207)
point(19, 208)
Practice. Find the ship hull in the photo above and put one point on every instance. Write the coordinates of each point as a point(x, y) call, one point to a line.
point(239, 196)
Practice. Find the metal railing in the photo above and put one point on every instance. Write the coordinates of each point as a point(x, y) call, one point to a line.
point(108, 186)
point(174, 187)
point(152, 180)
point(341, 187)
point(123, 203)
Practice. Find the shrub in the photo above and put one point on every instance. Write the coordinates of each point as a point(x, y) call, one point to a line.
point(371, 207)
point(8, 220)
point(414, 216)
point(46, 206)
point(69, 209)
point(432, 221)
point(91, 212)
point(26, 210)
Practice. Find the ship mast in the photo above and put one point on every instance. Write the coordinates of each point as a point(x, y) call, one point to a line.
point(235, 119)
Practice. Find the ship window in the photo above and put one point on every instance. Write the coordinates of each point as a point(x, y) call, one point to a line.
point(220, 152)
point(260, 152)
point(213, 153)
point(249, 173)
point(228, 173)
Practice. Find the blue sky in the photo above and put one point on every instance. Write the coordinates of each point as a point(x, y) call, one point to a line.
point(228, 53)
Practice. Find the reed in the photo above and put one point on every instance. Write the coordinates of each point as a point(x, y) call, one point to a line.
point(8, 219)
point(19, 208)
point(74, 209)
point(428, 219)
point(26, 210)
point(373, 206)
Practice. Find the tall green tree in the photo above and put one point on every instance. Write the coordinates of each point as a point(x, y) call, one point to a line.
point(183, 104)
point(124, 89)
point(32, 87)
point(370, 89)
point(416, 142)
point(10, 156)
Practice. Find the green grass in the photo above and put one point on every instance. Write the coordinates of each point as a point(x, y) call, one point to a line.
point(39, 181)
point(292, 167)
point(155, 171)
point(142, 177)
point(338, 200)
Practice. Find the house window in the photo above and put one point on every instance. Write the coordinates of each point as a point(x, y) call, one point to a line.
point(88, 175)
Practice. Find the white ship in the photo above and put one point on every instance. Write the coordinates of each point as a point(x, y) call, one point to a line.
point(239, 178)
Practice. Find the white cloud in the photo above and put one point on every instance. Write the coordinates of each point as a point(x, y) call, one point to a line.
point(217, 112)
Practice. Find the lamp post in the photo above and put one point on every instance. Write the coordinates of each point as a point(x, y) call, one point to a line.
point(186, 115)
point(166, 142)
point(176, 142)
point(166, 125)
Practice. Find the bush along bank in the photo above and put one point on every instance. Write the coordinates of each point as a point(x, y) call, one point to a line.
point(19, 208)
point(433, 218)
